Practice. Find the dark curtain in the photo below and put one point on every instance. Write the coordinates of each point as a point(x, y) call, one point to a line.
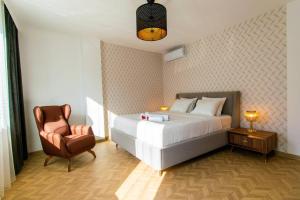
point(16, 104)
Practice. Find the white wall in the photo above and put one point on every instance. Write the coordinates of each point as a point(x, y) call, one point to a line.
point(92, 92)
point(293, 77)
point(58, 69)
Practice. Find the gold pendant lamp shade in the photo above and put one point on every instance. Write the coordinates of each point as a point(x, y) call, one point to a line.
point(151, 21)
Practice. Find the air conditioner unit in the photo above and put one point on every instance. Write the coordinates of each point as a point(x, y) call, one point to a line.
point(175, 54)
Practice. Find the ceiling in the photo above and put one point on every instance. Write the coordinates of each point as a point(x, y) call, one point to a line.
point(114, 20)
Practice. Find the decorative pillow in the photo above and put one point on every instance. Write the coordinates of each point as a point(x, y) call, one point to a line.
point(221, 103)
point(193, 104)
point(205, 107)
point(181, 105)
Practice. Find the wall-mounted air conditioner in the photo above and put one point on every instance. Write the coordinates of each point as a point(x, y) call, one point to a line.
point(175, 54)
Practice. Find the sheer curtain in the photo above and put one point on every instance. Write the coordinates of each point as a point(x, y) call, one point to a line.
point(7, 172)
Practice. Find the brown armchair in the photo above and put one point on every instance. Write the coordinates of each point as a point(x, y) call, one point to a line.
point(60, 139)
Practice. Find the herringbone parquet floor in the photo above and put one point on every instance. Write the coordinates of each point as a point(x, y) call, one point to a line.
point(115, 174)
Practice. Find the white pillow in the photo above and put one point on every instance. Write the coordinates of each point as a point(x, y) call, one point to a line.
point(221, 103)
point(192, 105)
point(205, 107)
point(181, 105)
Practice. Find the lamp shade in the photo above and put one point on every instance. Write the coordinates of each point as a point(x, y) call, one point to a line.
point(251, 116)
point(151, 21)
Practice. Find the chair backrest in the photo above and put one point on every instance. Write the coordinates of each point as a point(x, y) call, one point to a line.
point(53, 119)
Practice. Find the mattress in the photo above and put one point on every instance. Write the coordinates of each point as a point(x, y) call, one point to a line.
point(180, 127)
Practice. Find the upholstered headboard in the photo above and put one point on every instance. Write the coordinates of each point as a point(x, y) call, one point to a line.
point(231, 106)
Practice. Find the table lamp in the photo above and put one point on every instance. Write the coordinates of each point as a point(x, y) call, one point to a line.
point(164, 108)
point(251, 116)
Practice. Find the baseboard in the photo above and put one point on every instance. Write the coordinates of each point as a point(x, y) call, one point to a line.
point(287, 155)
point(98, 140)
point(35, 152)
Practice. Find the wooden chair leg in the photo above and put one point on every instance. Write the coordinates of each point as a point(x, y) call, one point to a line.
point(92, 152)
point(69, 164)
point(47, 160)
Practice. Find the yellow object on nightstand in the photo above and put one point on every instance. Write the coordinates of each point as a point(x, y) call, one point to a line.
point(164, 108)
point(251, 116)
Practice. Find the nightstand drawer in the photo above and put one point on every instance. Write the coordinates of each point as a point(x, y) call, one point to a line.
point(258, 145)
point(240, 140)
point(246, 141)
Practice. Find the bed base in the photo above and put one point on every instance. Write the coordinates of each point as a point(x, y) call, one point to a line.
point(161, 159)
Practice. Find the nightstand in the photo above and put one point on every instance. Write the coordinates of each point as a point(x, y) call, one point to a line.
point(260, 141)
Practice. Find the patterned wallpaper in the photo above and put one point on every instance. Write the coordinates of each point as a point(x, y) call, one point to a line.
point(250, 57)
point(132, 79)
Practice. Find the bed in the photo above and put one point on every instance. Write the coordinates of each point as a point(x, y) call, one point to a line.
point(185, 136)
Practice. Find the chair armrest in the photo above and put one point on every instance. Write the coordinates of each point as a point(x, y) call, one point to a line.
point(81, 130)
point(54, 139)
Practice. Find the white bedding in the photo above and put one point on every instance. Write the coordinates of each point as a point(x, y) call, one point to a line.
point(182, 126)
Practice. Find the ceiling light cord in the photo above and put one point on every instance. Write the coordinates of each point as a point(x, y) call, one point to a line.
point(151, 1)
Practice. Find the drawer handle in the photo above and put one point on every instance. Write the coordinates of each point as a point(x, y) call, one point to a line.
point(245, 141)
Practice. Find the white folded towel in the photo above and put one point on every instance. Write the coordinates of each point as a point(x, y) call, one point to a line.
point(154, 117)
point(165, 117)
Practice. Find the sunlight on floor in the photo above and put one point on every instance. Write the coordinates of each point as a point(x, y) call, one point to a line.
point(142, 183)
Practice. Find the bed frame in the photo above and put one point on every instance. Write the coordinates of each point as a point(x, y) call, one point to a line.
point(161, 159)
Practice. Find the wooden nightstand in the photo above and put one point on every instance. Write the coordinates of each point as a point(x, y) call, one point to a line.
point(260, 141)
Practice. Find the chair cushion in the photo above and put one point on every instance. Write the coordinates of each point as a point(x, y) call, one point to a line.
point(54, 120)
point(79, 143)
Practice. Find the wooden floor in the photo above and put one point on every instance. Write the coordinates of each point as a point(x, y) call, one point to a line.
point(115, 174)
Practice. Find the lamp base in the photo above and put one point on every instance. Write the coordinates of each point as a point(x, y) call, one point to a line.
point(251, 130)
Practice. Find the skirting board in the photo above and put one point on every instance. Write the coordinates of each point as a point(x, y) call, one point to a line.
point(98, 140)
point(287, 155)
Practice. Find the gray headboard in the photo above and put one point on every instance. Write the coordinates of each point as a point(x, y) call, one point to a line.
point(231, 106)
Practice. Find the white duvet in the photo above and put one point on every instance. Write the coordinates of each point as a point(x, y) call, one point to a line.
point(182, 126)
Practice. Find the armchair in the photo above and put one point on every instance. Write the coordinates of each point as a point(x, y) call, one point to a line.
point(60, 139)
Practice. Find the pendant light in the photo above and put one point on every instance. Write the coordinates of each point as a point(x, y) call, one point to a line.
point(151, 21)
